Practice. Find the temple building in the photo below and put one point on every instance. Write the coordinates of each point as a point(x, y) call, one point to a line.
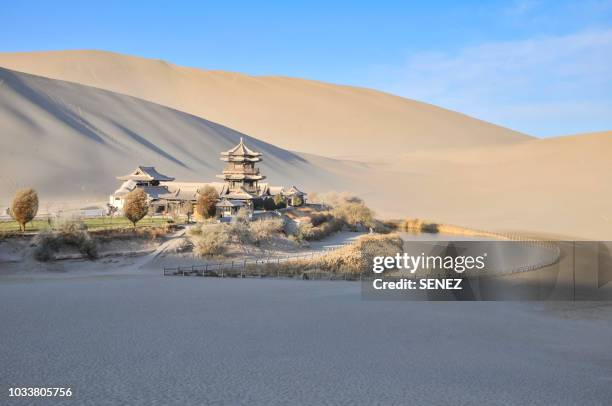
point(240, 173)
point(241, 187)
point(145, 177)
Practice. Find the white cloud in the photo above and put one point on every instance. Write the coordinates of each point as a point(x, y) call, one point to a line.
point(510, 83)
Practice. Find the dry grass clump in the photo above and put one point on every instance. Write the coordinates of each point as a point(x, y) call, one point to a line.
point(358, 257)
point(149, 233)
point(348, 208)
point(307, 231)
point(153, 233)
point(48, 244)
point(264, 230)
point(68, 225)
point(239, 228)
point(354, 214)
point(318, 218)
point(213, 240)
point(418, 226)
point(179, 245)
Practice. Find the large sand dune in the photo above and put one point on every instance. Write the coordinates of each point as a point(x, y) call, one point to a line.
point(561, 186)
point(296, 114)
point(69, 141)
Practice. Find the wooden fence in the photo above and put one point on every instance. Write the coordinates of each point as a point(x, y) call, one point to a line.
point(261, 267)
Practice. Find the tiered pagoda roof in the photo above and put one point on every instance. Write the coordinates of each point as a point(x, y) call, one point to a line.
point(241, 164)
point(240, 153)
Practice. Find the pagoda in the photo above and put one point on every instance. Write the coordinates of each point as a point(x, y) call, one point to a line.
point(240, 174)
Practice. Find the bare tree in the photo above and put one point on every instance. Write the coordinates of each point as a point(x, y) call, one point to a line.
point(24, 207)
point(205, 206)
point(136, 205)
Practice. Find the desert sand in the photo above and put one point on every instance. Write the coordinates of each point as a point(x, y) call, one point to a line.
point(71, 141)
point(148, 339)
point(296, 114)
point(407, 159)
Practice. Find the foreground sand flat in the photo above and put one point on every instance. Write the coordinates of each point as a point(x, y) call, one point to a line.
point(149, 339)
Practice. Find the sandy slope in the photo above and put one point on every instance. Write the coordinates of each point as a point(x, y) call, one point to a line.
point(70, 141)
point(296, 114)
point(561, 186)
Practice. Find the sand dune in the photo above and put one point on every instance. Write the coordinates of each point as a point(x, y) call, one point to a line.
point(561, 186)
point(69, 141)
point(296, 114)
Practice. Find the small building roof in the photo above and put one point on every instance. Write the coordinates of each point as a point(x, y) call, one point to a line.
point(125, 188)
point(145, 174)
point(276, 190)
point(153, 192)
point(229, 203)
point(156, 192)
point(293, 191)
point(240, 195)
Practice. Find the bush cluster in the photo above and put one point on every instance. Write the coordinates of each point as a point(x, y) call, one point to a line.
point(48, 244)
point(264, 230)
point(212, 240)
point(419, 226)
point(359, 257)
point(325, 226)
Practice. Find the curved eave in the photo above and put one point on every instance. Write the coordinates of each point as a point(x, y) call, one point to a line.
point(251, 154)
point(239, 159)
point(241, 177)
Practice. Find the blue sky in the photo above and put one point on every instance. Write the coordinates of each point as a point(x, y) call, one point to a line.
point(541, 67)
